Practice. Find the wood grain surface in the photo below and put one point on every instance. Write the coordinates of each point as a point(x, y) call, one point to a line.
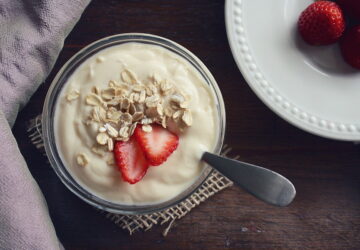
point(326, 173)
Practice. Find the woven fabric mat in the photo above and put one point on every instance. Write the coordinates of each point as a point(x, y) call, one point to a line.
point(132, 223)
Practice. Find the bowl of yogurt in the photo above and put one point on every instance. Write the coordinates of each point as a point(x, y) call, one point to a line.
point(104, 93)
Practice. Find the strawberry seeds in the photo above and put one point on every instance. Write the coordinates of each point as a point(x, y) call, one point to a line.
point(323, 23)
point(144, 149)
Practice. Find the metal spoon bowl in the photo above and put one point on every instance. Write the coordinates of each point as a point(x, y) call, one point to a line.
point(263, 183)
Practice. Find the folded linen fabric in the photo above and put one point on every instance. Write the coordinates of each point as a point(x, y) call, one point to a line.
point(32, 33)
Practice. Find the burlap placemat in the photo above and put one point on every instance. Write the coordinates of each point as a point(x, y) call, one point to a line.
point(213, 184)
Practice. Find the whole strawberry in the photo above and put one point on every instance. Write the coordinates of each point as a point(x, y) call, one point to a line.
point(321, 23)
point(350, 47)
point(350, 7)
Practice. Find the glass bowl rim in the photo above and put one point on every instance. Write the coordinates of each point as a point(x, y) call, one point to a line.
point(49, 108)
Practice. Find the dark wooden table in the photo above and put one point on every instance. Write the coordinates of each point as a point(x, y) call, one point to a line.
point(326, 173)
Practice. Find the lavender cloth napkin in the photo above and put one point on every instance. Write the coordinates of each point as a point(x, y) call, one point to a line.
point(31, 36)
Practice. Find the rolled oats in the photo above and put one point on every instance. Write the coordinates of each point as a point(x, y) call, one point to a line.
point(120, 92)
point(108, 94)
point(98, 150)
point(137, 116)
point(113, 114)
point(113, 102)
point(110, 144)
point(126, 117)
point(136, 97)
point(152, 101)
point(72, 95)
point(102, 113)
point(95, 90)
point(177, 114)
point(93, 100)
point(139, 107)
point(132, 129)
point(146, 121)
point(125, 104)
point(187, 117)
point(154, 112)
point(155, 78)
point(82, 160)
point(159, 110)
point(118, 108)
point(132, 109)
point(163, 122)
point(122, 138)
point(95, 115)
point(148, 91)
point(111, 130)
point(100, 59)
point(176, 100)
point(101, 138)
point(112, 84)
point(184, 104)
point(131, 97)
point(165, 87)
point(102, 129)
point(146, 128)
point(152, 88)
point(151, 104)
point(138, 88)
point(168, 111)
point(142, 96)
point(124, 132)
point(128, 77)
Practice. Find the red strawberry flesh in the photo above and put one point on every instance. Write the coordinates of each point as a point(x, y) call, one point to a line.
point(130, 160)
point(350, 47)
point(158, 144)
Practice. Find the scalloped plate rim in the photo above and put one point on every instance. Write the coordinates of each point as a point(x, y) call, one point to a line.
point(252, 82)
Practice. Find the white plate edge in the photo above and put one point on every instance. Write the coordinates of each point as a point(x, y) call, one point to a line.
point(339, 131)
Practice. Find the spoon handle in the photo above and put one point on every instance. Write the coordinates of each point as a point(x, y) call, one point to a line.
point(263, 183)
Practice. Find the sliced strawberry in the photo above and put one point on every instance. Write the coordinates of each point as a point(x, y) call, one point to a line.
point(158, 144)
point(130, 160)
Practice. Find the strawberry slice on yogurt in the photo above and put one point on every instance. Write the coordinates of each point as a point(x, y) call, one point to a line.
point(158, 144)
point(130, 160)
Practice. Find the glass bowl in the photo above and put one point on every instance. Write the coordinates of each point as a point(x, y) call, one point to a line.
point(49, 111)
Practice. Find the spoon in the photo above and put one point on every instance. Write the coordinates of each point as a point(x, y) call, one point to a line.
point(263, 183)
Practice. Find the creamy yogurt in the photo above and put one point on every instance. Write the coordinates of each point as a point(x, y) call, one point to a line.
point(74, 137)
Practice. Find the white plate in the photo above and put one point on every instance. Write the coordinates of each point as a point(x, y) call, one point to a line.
point(310, 87)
